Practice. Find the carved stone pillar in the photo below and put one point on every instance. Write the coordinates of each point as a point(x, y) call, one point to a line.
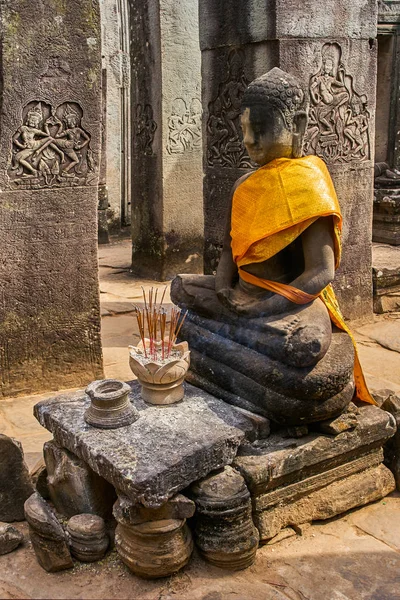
point(167, 199)
point(49, 155)
point(241, 41)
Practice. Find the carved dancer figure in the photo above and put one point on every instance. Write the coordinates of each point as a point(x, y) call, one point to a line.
point(356, 128)
point(176, 126)
point(31, 147)
point(329, 93)
point(71, 138)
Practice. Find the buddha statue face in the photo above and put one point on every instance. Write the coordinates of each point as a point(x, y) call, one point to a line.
point(265, 135)
point(273, 117)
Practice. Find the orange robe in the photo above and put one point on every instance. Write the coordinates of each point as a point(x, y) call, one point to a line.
point(270, 209)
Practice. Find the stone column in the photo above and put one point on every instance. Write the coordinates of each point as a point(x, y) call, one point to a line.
point(167, 204)
point(241, 41)
point(49, 157)
point(115, 196)
point(386, 225)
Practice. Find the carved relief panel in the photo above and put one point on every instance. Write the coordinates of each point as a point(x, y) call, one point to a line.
point(184, 126)
point(338, 128)
point(144, 129)
point(50, 148)
point(225, 146)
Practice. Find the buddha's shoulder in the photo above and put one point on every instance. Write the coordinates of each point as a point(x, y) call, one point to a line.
point(241, 180)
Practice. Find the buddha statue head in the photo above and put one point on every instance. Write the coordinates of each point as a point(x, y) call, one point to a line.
point(274, 117)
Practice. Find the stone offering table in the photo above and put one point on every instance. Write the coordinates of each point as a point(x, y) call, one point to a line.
point(163, 452)
point(277, 481)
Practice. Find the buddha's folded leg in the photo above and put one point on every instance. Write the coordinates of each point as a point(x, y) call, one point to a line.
point(283, 393)
point(299, 338)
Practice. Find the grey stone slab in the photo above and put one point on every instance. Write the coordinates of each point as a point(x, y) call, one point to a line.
point(382, 522)
point(332, 500)
point(15, 482)
point(281, 460)
point(386, 333)
point(164, 451)
point(292, 492)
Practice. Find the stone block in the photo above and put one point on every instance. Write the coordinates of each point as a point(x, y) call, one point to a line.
point(87, 537)
point(72, 485)
point(51, 94)
point(344, 422)
point(160, 454)
point(10, 538)
point(386, 225)
point(271, 19)
point(280, 461)
point(386, 276)
point(357, 490)
point(179, 507)
point(48, 538)
point(304, 487)
point(224, 530)
point(15, 482)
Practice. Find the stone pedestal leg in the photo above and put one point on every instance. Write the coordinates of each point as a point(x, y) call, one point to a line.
point(157, 547)
point(72, 485)
point(224, 530)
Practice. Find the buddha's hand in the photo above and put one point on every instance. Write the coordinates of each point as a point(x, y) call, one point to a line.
point(225, 296)
point(230, 300)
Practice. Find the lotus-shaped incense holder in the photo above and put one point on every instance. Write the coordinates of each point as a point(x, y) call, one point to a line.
point(161, 378)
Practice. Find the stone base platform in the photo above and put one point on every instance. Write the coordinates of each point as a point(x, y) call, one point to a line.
point(386, 221)
point(386, 277)
point(295, 481)
point(276, 481)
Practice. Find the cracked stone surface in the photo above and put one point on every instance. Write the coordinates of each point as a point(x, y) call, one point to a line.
point(164, 451)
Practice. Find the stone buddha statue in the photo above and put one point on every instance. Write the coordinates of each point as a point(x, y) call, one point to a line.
point(265, 332)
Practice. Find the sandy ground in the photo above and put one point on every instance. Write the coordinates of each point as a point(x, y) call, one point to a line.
point(354, 557)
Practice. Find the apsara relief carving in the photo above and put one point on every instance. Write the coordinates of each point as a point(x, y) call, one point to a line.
point(338, 128)
point(225, 146)
point(184, 126)
point(144, 129)
point(50, 148)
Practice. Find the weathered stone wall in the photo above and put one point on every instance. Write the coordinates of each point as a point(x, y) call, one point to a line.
point(241, 41)
point(167, 205)
point(49, 157)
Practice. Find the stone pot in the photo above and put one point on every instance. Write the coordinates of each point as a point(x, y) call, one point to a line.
point(162, 381)
point(110, 406)
point(156, 548)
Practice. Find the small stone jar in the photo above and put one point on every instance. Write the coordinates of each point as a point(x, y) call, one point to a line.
point(110, 406)
point(152, 549)
point(224, 530)
point(88, 537)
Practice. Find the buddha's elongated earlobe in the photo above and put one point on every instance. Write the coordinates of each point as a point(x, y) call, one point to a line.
point(299, 130)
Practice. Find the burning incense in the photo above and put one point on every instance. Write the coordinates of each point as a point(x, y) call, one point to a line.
point(155, 317)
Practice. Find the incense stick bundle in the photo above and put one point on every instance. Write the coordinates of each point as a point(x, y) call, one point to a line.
point(155, 317)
